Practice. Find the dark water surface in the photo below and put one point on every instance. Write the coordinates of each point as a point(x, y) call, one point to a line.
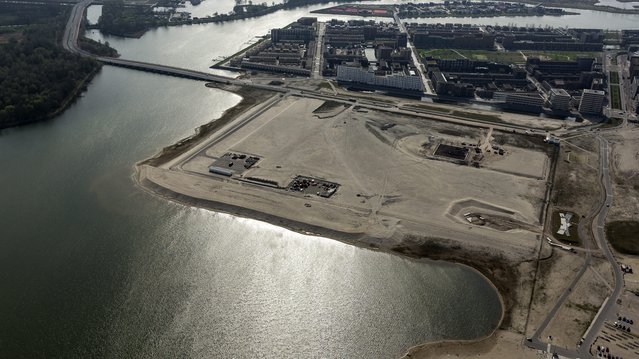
point(92, 266)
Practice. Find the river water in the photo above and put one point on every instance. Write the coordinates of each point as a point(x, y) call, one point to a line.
point(91, 266)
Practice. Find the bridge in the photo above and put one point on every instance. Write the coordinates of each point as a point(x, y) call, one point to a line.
point(70, 43)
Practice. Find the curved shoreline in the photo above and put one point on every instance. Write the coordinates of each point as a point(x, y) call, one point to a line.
point(354, 239)
point(488, 267)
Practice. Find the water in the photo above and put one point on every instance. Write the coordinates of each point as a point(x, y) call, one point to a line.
point(210, 7)
point(93, 266)
point(199, 46)
point(619, 4)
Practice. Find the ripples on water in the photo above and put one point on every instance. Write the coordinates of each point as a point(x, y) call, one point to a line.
point(91, 265)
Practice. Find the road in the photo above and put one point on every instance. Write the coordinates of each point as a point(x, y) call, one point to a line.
point(610, 308)
point(317, 61)
point(421, 70)
point(70, 43)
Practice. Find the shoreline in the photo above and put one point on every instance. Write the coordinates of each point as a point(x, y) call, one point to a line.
point(495, 268)
point(407, 19)
point(571, 5)
point(353, 239)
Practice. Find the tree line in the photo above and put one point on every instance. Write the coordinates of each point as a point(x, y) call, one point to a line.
point(37, 76)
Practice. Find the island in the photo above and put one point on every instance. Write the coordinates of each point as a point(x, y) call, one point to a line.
point(445, 9)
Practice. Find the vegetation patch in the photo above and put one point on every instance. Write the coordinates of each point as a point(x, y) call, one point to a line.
point(325, 86)
point(613, 122)
point(97, 47)
point(132, 21)
point(505, 57)
point(478, 116)
point(561, 55)
point(614, 77)
point(328, 106)
point(508, 57)
point(428, 107)
point(38, 78)
point(615, 97)
point(624, 236)
point(13, 13)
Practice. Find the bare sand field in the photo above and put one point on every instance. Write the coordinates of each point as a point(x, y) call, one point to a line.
point(418, 187)
point(625, 174)
point(502, 344)
point(386, 184)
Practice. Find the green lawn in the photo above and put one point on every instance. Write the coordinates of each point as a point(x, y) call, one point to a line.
point(624, 236)
point(445, 54)
point(506, 57)
point(615, 97)
point(561, 55)
point(611, 35)
point(614, 78)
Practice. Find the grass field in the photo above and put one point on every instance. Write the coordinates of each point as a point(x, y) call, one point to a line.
point(624, 236)
point(614, 78)
point(615, 97)
point(478, 116)
point(561, 55)
point(506, 57)
point(479, 55)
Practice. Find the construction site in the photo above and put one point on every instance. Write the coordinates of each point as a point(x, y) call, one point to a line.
point(369, 173)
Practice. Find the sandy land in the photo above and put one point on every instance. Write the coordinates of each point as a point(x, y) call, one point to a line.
point(383, 191)
point(625, 174)
point(502, 344)
point(576, 314)
point(392, 195)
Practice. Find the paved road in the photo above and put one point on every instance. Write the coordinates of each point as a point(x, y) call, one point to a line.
point(317, 60)
point(421, 70)
point(609, 310)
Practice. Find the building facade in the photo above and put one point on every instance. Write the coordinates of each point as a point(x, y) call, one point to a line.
point(559, 100)
point(634, 65)
point(592, 102)
point(352, 75)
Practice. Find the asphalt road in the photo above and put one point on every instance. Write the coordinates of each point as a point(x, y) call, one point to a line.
point(609, 310)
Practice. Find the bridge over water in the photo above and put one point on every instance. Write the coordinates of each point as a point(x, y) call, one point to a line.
point(70, 43)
